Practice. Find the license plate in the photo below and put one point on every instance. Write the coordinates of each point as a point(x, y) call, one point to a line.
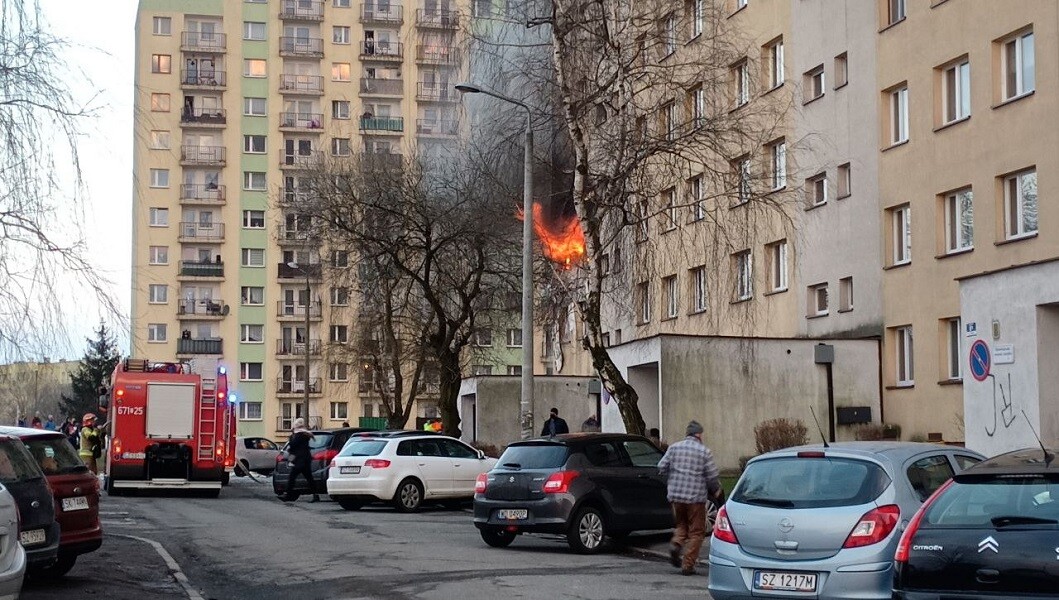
point(784, 582)
point(349, 470)
point(512, 514)
point(75, 503)
point(33, 536)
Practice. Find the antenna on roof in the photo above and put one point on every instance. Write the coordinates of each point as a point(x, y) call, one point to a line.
point(1048, 456)
point(818, 428)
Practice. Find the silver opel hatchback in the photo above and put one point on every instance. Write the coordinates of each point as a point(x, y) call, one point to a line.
point(823, 522)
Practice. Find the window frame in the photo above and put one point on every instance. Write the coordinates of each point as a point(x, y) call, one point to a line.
point(699, 289)
point(778, 163)
point(901, 230)
point(899, 118)
point(249, 178)
point(335, 416)
point(741, 83)
point(643, 292)
point(671, 296)
point(812, 77)
point(904, 347)
point(249, 70)
point(157, 175)
point(779, 269)
point(1018, 70)
point(153, 255)
point(341, 71)
point(958, 94)
point(158, 217)
point(158, 298)
point(744, 275)
point(817, 190)
point(250, 28)
point(248, 107)
point(162, 64)
point(253, 219)
point(954, 219)
point(954, 348)
point(774, 53)
point(246, 295)
point(245, 373)
point(157, 333)
point(1014, 208)
point(845, 294)
point(167, 30)
point(695, 195)
point(246, 256)
point(246, 333)
point(244, 410)
point(334, 371)
point(819, 300)
point(341, 40)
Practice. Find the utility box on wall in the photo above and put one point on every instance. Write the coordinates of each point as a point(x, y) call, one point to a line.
point(853, 415)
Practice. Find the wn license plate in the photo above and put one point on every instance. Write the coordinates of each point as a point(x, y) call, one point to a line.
point(349, 470)
point(33, 536)
point(75, 503)
point(785, 582)
point(512, 514)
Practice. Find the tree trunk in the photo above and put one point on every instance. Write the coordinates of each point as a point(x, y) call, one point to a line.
point(449, 393)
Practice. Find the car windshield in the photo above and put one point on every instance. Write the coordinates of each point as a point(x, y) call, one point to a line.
point(16, 464)
point(997, 502)
point(55, 455)
point(796, 482)
point(534, 456)
point(363, 448)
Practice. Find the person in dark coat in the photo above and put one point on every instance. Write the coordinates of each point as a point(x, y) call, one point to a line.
point(555, 425)
point(301, 459)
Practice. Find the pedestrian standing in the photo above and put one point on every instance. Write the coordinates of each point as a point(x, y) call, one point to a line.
point(555, 424)
point(50, 423)
point(301, 459)
point(691, 481)
point(89, 447)
point(71, 432)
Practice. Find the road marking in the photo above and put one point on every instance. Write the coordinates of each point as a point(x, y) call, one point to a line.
point(171, 562)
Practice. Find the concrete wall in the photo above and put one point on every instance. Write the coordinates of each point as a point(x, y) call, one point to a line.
point(496, 405)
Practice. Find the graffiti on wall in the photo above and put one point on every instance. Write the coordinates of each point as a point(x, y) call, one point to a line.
point(1003, 408)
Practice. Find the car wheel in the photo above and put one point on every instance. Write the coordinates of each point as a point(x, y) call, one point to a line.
point(409, 496)
point(349, 504)
point(711, 515)
point(587, 531)
point(497, 537)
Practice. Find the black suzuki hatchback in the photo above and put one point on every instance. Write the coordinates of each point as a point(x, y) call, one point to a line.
point(38, 530)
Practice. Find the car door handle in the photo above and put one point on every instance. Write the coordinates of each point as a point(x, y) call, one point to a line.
point(987, 575)
point(423, 464)
point(786, 545)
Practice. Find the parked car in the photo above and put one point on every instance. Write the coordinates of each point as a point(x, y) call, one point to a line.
point(324, 446)
point(12, 555)
point(993, 531)
point(255, 454)
point(586, 486)
point(38, 530)
point(405, 468)
point(823, 520)
point(75, 491)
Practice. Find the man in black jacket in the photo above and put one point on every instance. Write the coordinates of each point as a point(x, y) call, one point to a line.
point(555, 424)
point(301, 459)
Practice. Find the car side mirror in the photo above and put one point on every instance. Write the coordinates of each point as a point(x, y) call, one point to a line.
point(481, 455)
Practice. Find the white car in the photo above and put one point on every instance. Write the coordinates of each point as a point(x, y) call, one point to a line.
point(405, 469)
point(12, 555)
point(255, 454)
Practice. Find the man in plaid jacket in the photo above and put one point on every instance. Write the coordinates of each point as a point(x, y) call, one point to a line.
point(692, 480)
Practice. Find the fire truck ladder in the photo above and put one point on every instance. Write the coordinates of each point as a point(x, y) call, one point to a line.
point(207, 419)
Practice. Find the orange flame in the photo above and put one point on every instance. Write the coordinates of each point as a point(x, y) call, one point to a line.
point(563, 241)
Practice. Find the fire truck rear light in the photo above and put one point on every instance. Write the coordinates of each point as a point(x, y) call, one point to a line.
point(115, 444)
point(377, 463)
point(220, 448)
point(120, 392)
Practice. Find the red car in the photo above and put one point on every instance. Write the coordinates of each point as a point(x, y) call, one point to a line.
point(76, 492)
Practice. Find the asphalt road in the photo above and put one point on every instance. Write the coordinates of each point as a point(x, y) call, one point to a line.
point(249, 545)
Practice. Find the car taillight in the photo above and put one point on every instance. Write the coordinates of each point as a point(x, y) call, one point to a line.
point(874, 526)
point(903, 546)
point(279, 458)
point(811, 454)
point(377, 463)
point(722, 527)
point(559, 483)
point(115, 447)
point(325, 455)
point(480, 483)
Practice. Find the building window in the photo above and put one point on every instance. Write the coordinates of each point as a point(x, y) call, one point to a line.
point(669, 120)
point(815, 84)
point(741, 166)
point(698, 289)
point(954, 348)
point(776, 254)
point(481, 369)
point(250, 371)
point(254, 181)
point(1018, 65)
point(339, 334)
point(845, 182)
point(160, 140)
point(670, 35)
point(157, 332)
point(162, 26)
point(253, 296)
point(161, 63)
point(905, 364)
point(339, 259)
point(341, 3)
point(159, 217)
point(255, 67)
point(340, 71)
point(959, 221)
point(895, 11)
point(696, 199)
point(483, 338)
point(671, 296)
point(340, 147)
point(514, 338)
point(254, 107)
point(899, 115)
point(254, 144)
point(253, 257)
point(253, 219)
point(642, 215)
point(741, 83)
point(1020, 204)
point(669, 209)
point(643, 300)
point(845, 294)
point(160, 102)
point(774, 56)
point(514, 370)
point(159, 178)
point(697, 102)
point(158, 294)
point(340, 34)
point(818, 306)
point(744, 275)
point(338, 372)
point(956, 92)
point(250, 411)
point(340, 109)
point(841, 70)
point(778, 162)
point(159, 255)
point(816, 190)
point(339, 411)
point(698, 17)
point(901, 224)
point(339, 296)
point(252, 334)
point(254, 31)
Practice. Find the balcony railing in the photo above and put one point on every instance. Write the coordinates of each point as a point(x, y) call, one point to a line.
point(438, 55)
point(293, 196)
point(203, 41)
point(313, 423)
point(200, 346)
point(291, 234)
point(202, 155)
point(382, 87)
point(201, 232)
point(437, 19)
point(374, 13)
point(375, 49)
point(288, 309)
point(299, 46)
point(301, 10)
point(211, 307)
point(436, 92)
point(204, 116)
point(194, 268)
point(301, 120)
point(203, 78)
point(202, 193)
point(309, 161)
point(437, 127)
point(286, 271)
point(301, 84)
point(296, 348)
point(382, 124)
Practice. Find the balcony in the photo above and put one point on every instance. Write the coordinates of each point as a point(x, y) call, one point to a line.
point(312, 85)
point(285, 271)
point(437, 55)
point(381, 50)
point(289, 236)
point(437, 127)
point(191, 231)
point(381, 160)
point(436, 92)
point(294, 311)
point(392, 14)
point(202, 155)
point(301, 47)
point(202, 79)
point(204, 308)
point(194, 268)
point(437, 19)
point(190, 345)
point(211, 118)
point(387, 124)
point(301, 10)
point(381, 87)
point(203, 41)
point(297, 348)
point(303, 162)
point(202, 193)
point(301, 121)
point(290, 196)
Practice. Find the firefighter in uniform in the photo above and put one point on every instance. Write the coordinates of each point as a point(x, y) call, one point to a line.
point(89, 449)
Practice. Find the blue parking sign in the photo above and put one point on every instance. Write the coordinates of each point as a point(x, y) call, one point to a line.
point(980, 360)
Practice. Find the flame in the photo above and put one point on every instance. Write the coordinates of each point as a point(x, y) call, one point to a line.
point(563, 241)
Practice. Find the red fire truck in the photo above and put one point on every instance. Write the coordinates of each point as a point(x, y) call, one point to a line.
point(170, 425)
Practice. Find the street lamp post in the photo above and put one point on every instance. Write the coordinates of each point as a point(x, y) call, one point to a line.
point(308, 303)
point(526, 397)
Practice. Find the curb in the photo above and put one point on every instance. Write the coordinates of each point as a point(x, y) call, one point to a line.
point(665, 555)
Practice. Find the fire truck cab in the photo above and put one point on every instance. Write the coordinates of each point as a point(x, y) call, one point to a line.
point(170, 425)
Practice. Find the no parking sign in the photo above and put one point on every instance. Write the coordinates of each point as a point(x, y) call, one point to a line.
point(980, 360)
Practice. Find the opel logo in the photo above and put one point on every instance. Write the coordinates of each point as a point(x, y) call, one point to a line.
point(511, 480)
point(786, 525)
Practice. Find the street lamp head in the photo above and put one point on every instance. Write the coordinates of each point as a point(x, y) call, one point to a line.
point(468, 88)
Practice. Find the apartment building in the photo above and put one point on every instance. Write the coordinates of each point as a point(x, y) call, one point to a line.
point(234, 99)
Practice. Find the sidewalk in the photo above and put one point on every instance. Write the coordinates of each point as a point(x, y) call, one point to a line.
point(656, 544)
